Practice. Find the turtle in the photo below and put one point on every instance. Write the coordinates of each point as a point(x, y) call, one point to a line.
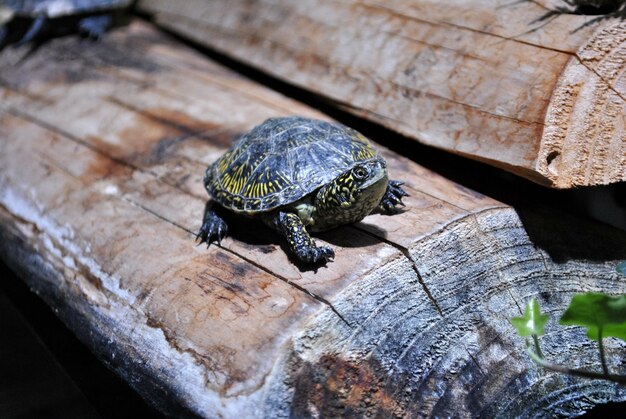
point(93, 16)
point(299, 175)
point(603, 9)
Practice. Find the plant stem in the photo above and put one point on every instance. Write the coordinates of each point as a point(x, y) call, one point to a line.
point(537, 347)
point(621, 379)
point(605, 369)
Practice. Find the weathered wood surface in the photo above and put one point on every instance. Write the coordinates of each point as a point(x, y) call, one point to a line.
point(486, 79)
point(102, 153)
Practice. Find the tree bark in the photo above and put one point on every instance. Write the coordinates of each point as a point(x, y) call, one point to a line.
point(508, 83)
point(103, 151)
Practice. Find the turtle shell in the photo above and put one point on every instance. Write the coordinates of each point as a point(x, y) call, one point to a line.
point(57, 8)
point(282, 160)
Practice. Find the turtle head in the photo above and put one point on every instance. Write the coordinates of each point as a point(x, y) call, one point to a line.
point(352, 195)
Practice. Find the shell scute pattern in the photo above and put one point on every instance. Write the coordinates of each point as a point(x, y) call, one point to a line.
point(283, 160)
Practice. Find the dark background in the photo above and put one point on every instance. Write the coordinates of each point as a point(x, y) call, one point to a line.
point(46, 372)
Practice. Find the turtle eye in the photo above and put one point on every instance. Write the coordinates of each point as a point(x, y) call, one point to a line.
point(360, 172)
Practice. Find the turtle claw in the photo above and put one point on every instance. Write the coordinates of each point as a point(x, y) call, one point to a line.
point(213, 229)
point(323, 254)
point(301, 244)
point(94, 27)
point(393, 197)
point(313, 254)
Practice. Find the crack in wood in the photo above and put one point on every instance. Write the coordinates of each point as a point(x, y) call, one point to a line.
point(187, 132)
point(475, 361)
point(34, 97)
point(43, 124)
point(408, 255)
point(605, 81)
point(405, 252)
point(455, 25)
point(519, 308)
point(367, 76)
point(514, 39)
point(215, 80)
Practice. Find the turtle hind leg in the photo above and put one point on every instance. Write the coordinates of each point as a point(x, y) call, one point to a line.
point(33, 31)
point(393, 196)
point(213, 229)
point(95, 27)
point(300, 243)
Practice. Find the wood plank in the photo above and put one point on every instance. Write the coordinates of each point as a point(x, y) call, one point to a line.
point(484, 79)
point(101, 162)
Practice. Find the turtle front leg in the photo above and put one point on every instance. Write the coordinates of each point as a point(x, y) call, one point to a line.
point(300, 243)
point(393, 196)
point(213, 228)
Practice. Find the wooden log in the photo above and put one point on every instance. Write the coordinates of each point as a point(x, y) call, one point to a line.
point(485, 79)
point(103, 150)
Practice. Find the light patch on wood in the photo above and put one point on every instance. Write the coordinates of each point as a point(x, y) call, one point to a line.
point(583, 142)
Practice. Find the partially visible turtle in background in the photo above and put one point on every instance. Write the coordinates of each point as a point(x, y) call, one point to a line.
point(592, 7)
point(600, 9)
point(93, 17)
point(298, 174)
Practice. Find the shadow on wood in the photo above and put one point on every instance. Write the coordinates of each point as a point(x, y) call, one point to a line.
point(564, 238)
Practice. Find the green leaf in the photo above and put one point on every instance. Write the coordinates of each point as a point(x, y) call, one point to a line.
point(621, 267)
point(532, 322)
point(597, 311)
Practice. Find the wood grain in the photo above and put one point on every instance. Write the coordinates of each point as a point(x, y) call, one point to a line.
point(103, 150)
point(486, 79)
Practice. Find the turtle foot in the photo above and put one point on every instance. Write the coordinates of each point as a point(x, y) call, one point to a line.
point(312, 254)
point(95, 27)
point(213, 229)
point(393, 197)
point(301, 245)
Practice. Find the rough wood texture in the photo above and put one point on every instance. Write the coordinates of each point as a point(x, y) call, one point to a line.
point(101, 160)
point(481, 78)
